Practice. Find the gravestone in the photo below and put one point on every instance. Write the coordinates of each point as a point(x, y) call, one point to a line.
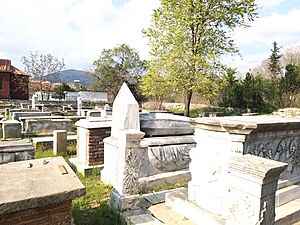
point(6, 111)
point(125, 114)
point(34, 101)
point(122, 162)
point(59, 142)
point(12, 129)
point(79, 106)
point(252, 186)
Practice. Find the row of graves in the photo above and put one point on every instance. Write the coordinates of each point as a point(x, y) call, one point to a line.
point(40, 191)
point(238, 170)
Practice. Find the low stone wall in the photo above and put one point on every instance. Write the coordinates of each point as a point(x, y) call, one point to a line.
point(47, 126)
point(54, 214)
point(11, 111)
point(12, 151)
point(47, 142)
point(17, 115)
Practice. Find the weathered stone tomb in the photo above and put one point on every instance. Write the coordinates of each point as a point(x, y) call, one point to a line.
point(218, 139)
point(38, 192)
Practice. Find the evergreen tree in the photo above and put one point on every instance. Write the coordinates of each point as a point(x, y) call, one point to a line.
point(275, 69)
point(274, 64)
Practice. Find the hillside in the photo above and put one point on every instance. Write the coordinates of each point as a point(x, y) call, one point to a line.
point(68, 76)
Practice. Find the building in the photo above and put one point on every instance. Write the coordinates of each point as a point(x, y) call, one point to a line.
point(13, 82)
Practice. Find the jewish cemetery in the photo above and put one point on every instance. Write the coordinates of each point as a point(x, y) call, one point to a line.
point(153, 112)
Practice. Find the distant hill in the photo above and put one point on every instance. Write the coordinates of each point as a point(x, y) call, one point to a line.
point(68, 76)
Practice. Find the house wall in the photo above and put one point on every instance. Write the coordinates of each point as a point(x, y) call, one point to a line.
point(4, 91)
point(19, 88)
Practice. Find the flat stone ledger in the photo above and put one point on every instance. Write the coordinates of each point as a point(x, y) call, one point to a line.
point(26, 195)
point(220, 138)
point(164, 124)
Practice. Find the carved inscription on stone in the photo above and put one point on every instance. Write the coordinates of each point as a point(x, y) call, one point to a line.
point(285, 149)
point(170, 158)
point(132, 164)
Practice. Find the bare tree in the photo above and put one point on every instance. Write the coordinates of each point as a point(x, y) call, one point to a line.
point(291, 56)
point(40, 65)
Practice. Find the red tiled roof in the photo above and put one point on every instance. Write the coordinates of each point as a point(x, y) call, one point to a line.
point(5, 66)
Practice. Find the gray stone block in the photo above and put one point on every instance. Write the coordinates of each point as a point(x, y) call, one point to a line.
point(59, 142)
point(11, 129)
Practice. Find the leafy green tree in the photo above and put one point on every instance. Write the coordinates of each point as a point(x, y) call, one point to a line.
point(187, 38)
point(290, 84)
point(39, 65)
point(157, 87)
point(60, 90)
point(116, 66)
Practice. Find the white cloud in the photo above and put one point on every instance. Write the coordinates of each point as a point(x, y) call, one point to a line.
point(267, 3)
point(256, 41)
point(77, 30)
point(276, 27)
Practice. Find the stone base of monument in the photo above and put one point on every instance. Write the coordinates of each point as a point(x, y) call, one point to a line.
point(86, 170)
point(178, 201)
point(153, 202)
point(288, 190)
point(287, 214)
point(125, 202)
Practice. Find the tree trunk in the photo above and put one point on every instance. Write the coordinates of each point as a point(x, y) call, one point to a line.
point(187, 103)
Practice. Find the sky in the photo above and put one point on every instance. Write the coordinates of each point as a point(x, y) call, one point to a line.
point(78, 30)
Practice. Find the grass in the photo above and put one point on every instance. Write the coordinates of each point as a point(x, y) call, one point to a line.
point(92, 208)
point(180, 183)
point(195, 112)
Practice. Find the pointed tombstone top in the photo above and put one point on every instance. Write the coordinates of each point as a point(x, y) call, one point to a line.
point(125, 113)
